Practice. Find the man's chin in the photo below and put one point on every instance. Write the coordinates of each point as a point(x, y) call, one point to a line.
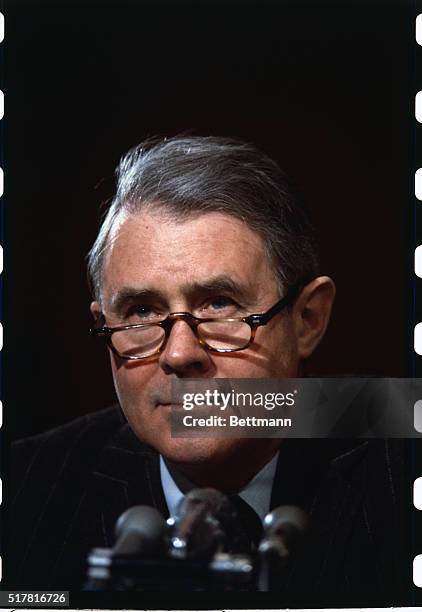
point(196, 451)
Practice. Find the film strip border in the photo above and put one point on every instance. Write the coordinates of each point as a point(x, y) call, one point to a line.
point(1, 233)
point(416, 284)
point(415, 458)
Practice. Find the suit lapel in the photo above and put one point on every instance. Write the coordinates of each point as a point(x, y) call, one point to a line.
point(330, 487)
point(127, 474)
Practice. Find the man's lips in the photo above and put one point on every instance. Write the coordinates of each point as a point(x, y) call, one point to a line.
point(167, 400)
point(169, 405)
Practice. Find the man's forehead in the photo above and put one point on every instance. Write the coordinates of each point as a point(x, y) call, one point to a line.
point(152, 247)
point(155, 220)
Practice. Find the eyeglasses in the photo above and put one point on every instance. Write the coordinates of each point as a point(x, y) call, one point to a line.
point(222, 335)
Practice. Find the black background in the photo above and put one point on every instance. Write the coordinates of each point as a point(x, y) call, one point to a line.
point(327, 88)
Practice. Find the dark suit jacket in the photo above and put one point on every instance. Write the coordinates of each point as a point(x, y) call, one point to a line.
point(72, 483)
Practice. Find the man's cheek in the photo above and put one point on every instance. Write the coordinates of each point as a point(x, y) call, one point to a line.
point(125, 388)
point(128, 388)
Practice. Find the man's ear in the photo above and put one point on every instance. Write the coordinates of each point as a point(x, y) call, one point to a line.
point(95, 309)
point(311, 314)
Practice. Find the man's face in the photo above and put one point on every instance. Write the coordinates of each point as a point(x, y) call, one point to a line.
point(213, 265)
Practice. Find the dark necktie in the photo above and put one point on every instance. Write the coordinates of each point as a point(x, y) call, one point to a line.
point(249, 522)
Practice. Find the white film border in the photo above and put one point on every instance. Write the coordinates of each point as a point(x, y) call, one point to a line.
point(419, 29)
point(1, 254)
point(417, 486)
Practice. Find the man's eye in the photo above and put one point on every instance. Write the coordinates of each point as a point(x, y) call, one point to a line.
point(220, 305)
point(142, 313)
point(221, 302)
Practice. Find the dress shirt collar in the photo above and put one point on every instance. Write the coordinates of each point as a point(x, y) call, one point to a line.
point(257, 493)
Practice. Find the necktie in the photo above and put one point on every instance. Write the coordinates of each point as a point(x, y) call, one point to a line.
point(249, 523)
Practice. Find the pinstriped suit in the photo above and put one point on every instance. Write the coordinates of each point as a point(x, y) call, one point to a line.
point(71, 484)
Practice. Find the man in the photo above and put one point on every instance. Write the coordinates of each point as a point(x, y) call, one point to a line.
point(203, 228)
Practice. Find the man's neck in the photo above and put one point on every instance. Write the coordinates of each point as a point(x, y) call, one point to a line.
point(229, 475)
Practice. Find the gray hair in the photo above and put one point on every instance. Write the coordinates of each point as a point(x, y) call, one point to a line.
point(191, 176)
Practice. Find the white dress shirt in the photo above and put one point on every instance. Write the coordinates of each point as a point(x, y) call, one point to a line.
point(257, 493)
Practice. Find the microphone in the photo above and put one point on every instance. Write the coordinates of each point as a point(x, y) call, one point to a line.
point(204, 522)
point(140, 530)
point(198, 555)
point(284, 529)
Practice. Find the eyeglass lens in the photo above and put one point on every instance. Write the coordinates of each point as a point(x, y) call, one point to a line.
point(145, 341)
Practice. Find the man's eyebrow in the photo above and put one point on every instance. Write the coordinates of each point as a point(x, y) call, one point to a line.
point(218, 283)
point(215, 284)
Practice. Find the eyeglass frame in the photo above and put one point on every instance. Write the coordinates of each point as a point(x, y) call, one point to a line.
point(253, 320)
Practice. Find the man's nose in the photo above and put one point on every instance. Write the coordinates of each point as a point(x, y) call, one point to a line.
point(183, 354)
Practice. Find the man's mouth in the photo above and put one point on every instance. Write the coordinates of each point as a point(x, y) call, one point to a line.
point(165, 399)
point(168, 405)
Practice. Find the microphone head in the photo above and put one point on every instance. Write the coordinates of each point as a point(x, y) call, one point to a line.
point(284, 527)
point(203, 502)
point(204, 518)
point(140, 529)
